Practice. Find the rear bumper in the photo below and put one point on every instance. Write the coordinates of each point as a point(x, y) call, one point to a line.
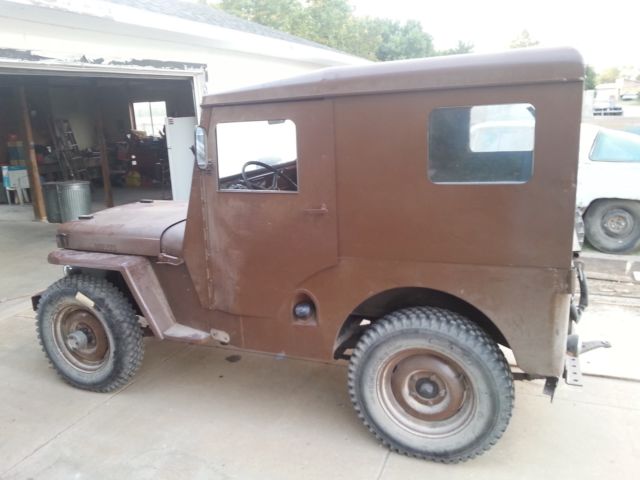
point(575, 347)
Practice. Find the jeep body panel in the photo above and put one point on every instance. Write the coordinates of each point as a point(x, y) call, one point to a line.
point(137, 272)
point(133, 229)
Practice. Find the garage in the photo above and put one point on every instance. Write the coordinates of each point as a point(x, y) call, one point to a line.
point(127, 136)
point(106, 94)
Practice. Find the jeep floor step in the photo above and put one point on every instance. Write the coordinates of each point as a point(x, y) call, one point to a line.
point(183, 333)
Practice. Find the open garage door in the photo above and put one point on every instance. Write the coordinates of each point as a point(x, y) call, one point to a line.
point(105, 128)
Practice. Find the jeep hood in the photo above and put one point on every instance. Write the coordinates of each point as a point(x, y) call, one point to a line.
point(133, 229)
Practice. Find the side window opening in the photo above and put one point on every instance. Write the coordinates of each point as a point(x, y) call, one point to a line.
point(481, 144)
point(257, 155)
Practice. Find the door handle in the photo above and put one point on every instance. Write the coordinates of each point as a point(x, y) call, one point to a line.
point(321, 210)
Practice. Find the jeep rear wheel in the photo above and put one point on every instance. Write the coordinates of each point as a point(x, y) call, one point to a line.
point(430, 384)
point(90, 333)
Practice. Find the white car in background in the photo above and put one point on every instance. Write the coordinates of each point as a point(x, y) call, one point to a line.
point(628, 96)
point(608, 191)
point(608, 195)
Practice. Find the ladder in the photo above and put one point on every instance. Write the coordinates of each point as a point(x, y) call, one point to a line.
point(70, 151)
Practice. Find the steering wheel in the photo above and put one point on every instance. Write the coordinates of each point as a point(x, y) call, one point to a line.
point(274, 186)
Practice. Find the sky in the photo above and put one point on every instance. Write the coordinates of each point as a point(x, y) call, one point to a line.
point(606, 33)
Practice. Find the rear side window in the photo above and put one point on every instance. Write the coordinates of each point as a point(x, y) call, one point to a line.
point(481, 144)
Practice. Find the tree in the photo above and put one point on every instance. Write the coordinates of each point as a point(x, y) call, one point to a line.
point(461, 47)
point(364, 39)
point(523, 40)
point(589, 77)
point(609, 75)
point(332, 23)
point(401, 41)
point(285, 15)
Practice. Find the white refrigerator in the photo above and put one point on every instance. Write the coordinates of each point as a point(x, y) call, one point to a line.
point(180, 138)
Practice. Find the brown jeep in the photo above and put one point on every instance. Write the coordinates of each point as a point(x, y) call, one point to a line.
point(407, 217)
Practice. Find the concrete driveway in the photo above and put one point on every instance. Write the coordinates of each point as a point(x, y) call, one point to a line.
point(192, 413)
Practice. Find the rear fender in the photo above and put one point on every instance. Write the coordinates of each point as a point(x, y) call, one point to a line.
point(139, 275)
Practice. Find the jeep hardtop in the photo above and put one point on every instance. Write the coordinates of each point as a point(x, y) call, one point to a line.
point(356, 214)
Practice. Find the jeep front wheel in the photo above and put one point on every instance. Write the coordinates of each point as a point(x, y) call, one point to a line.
point(431, 384)
point(90, 333)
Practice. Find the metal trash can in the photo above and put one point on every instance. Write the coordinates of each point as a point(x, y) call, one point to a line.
point(51, 202)
point(74, 197)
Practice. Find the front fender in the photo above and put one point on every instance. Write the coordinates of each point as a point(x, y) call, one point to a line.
point(139, 275)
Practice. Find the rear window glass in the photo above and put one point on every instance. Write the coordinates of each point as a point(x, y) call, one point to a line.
point(614, 146)
point(481, 144)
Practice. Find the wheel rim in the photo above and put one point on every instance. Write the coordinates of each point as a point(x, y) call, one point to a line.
point(617, 223)
point(426, 393)
point(81, 338)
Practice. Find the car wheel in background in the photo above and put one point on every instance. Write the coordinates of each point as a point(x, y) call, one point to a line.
point(612, 225)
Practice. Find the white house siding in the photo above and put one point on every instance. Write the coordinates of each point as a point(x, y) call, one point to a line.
point(232, 58)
